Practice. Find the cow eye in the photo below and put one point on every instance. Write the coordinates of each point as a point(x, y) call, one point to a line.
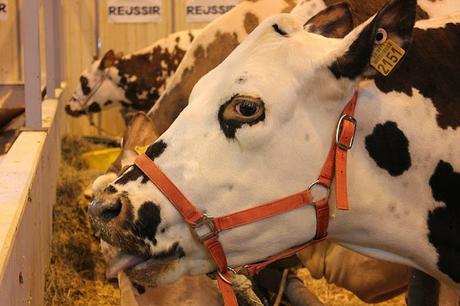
point(244, 108)
point(247, 108)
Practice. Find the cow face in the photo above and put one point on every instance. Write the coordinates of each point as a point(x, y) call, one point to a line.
point(257, 128)
point(95, 89)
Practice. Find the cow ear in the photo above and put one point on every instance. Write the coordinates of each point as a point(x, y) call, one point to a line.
point(335, 21)
point(394, 22)
point(108, 60)
point(139, 133)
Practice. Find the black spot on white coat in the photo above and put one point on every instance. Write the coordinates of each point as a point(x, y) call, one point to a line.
point(140, 289)
point(156, 149)
point(84, 85)
point(94, 108)
point(443, 222)
point(131, 175)
point(173, 251)
point(148, 219)
point(389, 148)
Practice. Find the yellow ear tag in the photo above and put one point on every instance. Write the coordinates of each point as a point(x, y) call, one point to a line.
point(385, 56)
point(141, 149)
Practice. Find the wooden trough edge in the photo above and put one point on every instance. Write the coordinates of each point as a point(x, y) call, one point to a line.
point(28, 179)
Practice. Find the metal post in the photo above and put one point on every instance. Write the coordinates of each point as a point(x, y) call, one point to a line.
point(97, 52)
point(97, 29)
point(19, 43)
point(58, 30)
point(32, 90)
point(50, 39)
point(173, 16)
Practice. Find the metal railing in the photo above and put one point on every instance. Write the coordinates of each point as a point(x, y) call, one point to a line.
point(32, 69)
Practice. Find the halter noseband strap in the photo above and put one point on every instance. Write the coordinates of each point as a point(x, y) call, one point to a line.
point(207, 228)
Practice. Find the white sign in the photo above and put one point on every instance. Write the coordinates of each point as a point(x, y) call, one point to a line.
point(4, 9)
point(207, 10)
point(134, 11)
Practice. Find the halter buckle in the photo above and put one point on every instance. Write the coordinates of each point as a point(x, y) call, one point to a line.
point(209, 223)
point(352, 120)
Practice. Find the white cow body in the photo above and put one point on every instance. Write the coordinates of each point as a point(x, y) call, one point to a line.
point(281, 153)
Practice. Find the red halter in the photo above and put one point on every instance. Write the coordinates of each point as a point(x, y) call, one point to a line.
point(335, 165)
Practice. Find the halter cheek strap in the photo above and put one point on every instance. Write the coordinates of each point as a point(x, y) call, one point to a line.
point(207, 228)
point(92, 93)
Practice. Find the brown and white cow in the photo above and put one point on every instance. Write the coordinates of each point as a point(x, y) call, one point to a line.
point(225, 34)
point(272, 106)
point(135, 80)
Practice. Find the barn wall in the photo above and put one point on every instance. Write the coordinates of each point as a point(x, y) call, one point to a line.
point(9, 65)
point(79, 49)
point(181, 23)
point(11, 59)
point(79, 33)
point(78, 29)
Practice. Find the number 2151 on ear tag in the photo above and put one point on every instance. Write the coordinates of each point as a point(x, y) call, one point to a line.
point(386, 56)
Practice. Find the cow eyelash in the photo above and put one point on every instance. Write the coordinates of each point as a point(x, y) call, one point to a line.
point(278, 30)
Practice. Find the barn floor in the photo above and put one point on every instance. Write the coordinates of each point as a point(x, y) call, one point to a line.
point(77, 272)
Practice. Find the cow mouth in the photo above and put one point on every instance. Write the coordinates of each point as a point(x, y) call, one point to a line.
point(139, 265)
point(74, 113)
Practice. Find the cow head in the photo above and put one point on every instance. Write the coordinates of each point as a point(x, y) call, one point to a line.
point(257, 128)
point(95, 89)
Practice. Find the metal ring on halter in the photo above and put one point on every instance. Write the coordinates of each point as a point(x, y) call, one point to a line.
point(223, 277)
point(318, 183)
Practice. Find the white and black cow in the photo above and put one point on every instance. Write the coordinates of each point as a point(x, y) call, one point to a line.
point(135, 80)
point(262, 125)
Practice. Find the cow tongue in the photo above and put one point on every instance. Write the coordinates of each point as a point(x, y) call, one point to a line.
point(121, 262)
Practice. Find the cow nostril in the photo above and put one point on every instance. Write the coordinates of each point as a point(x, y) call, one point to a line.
point(111, 210)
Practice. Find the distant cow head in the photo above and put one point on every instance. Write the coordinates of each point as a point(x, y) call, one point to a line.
point(135, 80)
point(95, 90)
point(257, 128)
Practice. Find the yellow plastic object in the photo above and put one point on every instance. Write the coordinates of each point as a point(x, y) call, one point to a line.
point(101, 159)
point(141, 149)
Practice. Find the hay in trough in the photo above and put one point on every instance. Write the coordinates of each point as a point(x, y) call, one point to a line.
point(77, 271)
point(76, 275)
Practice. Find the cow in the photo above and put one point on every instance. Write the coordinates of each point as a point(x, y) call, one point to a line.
point(135, 80)
point(360, 10)
point(229, 31)
point(262, 125)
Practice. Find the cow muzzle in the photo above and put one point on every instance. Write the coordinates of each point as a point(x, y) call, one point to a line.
point(74, 113)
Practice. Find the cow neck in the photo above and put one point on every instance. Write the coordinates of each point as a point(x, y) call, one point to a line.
point(207, 228)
